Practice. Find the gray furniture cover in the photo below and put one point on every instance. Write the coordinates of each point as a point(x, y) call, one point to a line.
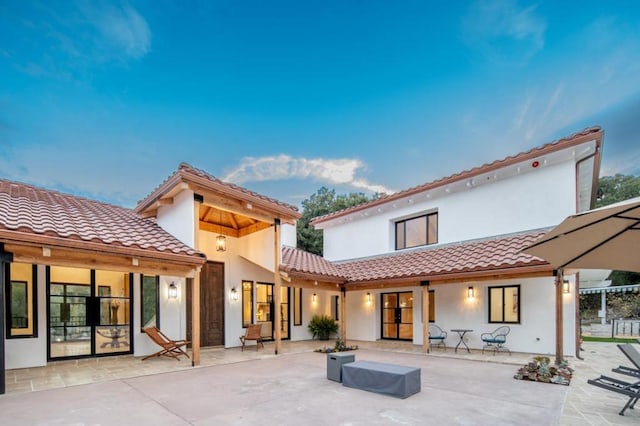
point(387, 379)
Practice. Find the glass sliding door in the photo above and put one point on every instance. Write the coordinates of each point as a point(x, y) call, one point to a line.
point(89, 312)
point(397, 315)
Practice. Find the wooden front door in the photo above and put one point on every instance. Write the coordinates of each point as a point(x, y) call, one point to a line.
point(211, 305)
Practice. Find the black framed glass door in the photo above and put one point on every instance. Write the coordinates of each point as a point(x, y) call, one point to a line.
point(397, 315)
point(89, 312)
point(265, 311)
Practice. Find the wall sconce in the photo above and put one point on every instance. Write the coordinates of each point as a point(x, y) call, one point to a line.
point(314, 298)
point(173, 291)
point(565, 286)
point(470, 292)
point(368, 298)
point(234, 294)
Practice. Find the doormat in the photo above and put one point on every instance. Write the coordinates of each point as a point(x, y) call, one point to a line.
point(540, 370)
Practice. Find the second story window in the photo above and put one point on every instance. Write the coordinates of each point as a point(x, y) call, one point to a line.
point(417, 231)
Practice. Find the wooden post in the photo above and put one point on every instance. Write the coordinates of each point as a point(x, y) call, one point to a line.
point(195, 291)
point(559, 317)
point(425, 317)
point(277, 287)
point(577, 315)
point(343, 316)
point(195, 319)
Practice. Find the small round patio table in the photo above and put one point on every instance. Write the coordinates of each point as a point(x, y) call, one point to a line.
point(461, 332)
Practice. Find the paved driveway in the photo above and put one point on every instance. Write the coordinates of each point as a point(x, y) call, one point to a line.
point(292, 389)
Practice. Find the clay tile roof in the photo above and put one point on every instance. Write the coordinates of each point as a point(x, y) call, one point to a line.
point(498, 253)
point(303, 262)
point(188, 173)
point(38, 212)
point(562, 143)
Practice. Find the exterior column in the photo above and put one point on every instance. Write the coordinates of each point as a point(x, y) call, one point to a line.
point(5, 258)
point(195, 291)
point(425, 317)
point(577, 315)
point(195, 319)
point(603, 307)
point(277, 287)
point(559, 317)
point(343, 315)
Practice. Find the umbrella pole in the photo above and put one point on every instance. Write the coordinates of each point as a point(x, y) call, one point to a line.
point(559, 317)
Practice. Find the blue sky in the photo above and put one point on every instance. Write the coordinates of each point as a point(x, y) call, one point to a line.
point(105, 98)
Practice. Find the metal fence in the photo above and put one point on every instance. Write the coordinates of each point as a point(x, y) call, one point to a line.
point(625, 328)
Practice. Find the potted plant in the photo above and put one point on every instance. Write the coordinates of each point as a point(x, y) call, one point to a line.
point(322, 326)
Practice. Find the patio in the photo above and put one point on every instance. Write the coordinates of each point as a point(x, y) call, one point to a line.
point(234, 387)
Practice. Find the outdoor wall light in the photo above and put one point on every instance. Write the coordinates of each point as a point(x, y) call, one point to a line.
point(470, 292)
point(314, 298)
point(565, 286)
point(368, 298)
point(173, 291)
point(234, 294)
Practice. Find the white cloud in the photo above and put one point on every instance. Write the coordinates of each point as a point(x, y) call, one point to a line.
point(120, 26)
point(332, 171)
point(504, 31)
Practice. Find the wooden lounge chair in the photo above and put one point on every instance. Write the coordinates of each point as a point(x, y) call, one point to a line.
point(170, 348)
point(253, 332)
point(437, 336)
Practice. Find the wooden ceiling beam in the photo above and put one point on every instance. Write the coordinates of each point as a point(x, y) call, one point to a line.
point(96, 260)
point(217, 229)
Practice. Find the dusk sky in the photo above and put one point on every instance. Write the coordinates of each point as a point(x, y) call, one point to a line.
point(104, 99)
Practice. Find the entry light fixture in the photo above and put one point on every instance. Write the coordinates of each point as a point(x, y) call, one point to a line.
point(470, 292)
point(314, 298)
point(234, 294)
point(173, 291)
point(368, 298)
point(221, 240)
point(565, 286)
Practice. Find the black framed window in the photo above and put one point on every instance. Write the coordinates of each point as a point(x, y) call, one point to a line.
point(297, 306)
point(21, 306)
point(335, 307)
point(504, 304)
point(247, 303)
point(150, 301)
point(417, 231)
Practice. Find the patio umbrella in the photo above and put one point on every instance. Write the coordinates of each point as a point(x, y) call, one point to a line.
point(604, 238)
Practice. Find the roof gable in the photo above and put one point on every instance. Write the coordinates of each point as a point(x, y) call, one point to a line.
point(466, 178)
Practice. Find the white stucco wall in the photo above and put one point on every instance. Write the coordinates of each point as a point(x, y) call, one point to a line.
point(534, 334)
point(173, 314)
point(524, 202)
point(31, 351)
point(178, 218)
point(288, 235)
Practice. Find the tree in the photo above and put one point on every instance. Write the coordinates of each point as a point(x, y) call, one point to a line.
point(612, 189)
point(323, 202)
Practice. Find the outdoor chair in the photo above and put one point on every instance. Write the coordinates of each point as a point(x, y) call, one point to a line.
point(496, 339)
point(437, 336)
point(170, 348)
point(253, 332)
point(634, 356)
point(632, 390)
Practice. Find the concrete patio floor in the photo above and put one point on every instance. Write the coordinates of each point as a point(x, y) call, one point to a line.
point(235, 387)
